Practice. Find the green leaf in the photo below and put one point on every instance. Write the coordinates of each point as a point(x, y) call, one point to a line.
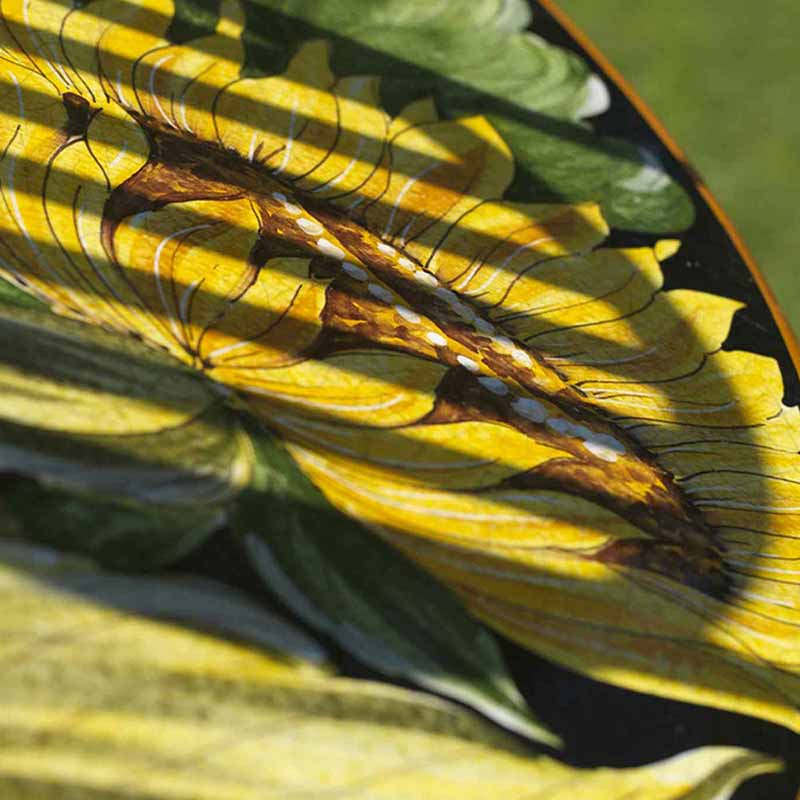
point(559, 161)
point(11, 295)
point(99, 701)
point(138, 454)
point(477, 58)
point(200, 603)
point(352, 586)
point(119, 534)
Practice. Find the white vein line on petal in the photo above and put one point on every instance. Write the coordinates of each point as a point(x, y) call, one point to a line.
point(746, 506)
point(120, 92)
point(673, 409)
point(331, 182)
point(391, 462)
point(505, 262)
point(157, 272)
point(151, 83)
point(251, 150)
point(402, 193)
point(12, 165)
point(289, 140)
point(599, 362)
point(98, 271)
point(186, 298)
point(55, 67)
point(321, 404)
point(184, 120)
point(435, 512)
point(119, 155)
point(759, 568)
point(770, 601)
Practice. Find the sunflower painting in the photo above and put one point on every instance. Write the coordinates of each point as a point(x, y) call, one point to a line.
point(254, 292)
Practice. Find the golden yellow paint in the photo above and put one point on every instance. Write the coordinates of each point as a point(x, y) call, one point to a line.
point(97, 700)
point(526, 413)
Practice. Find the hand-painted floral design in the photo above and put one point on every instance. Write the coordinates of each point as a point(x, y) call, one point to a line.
point(523, 412)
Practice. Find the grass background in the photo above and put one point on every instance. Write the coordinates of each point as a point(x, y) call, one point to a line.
point(724, 78)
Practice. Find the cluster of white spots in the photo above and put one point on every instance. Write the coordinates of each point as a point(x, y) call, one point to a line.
point(425, 278)
point(408, 315)
point(382, 293)
point(446, 294)
point(521, 357)
point(468, 363)
point(530, 409)
point(328, 248)
point(292, 208)
point(601, 445)
point(503, 343)
point(313, 228)
point(354, 271)
point(310, 226)
point(494, 385)
point(604, 446)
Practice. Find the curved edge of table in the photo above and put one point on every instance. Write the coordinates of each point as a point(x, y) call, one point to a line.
point(789, 338)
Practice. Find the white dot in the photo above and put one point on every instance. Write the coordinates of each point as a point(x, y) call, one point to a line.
point(446, 295)
point(408, 314)
point(561, 425)
point(354, 271)
point(310, 226)
point(436, 338)
point(380, 292)
point(484, 326)
point(290, 207)
point(387, 249)
point(406, 263)
point(521, 357)
point(464, 311)
point(494, 385)
point(604, 446)
point(530, 409)
point(468, 363)
point(330, 249)
point(503, 341)
point(425, 278)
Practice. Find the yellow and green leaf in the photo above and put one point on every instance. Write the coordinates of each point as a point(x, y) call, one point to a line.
point(100, 700)
point(138, 458)
point(333, 574)
point(527, 414)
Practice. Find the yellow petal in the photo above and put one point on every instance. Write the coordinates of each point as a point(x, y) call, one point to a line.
point(113, 703)
point(438, 172)
point(458, 455)
point(371, 387)
point(668, 339)
point(31, 121)
point(496, 243)
point(135, 29)
point(177, 85)
point(288, 122)
point(413, 509)
point(188, 263)
point(33, 27)
point(273, 322)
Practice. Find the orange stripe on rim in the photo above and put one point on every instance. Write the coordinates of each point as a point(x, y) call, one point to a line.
point(792, 344)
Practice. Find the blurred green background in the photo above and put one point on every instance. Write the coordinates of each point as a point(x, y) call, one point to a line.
point(724, 78)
